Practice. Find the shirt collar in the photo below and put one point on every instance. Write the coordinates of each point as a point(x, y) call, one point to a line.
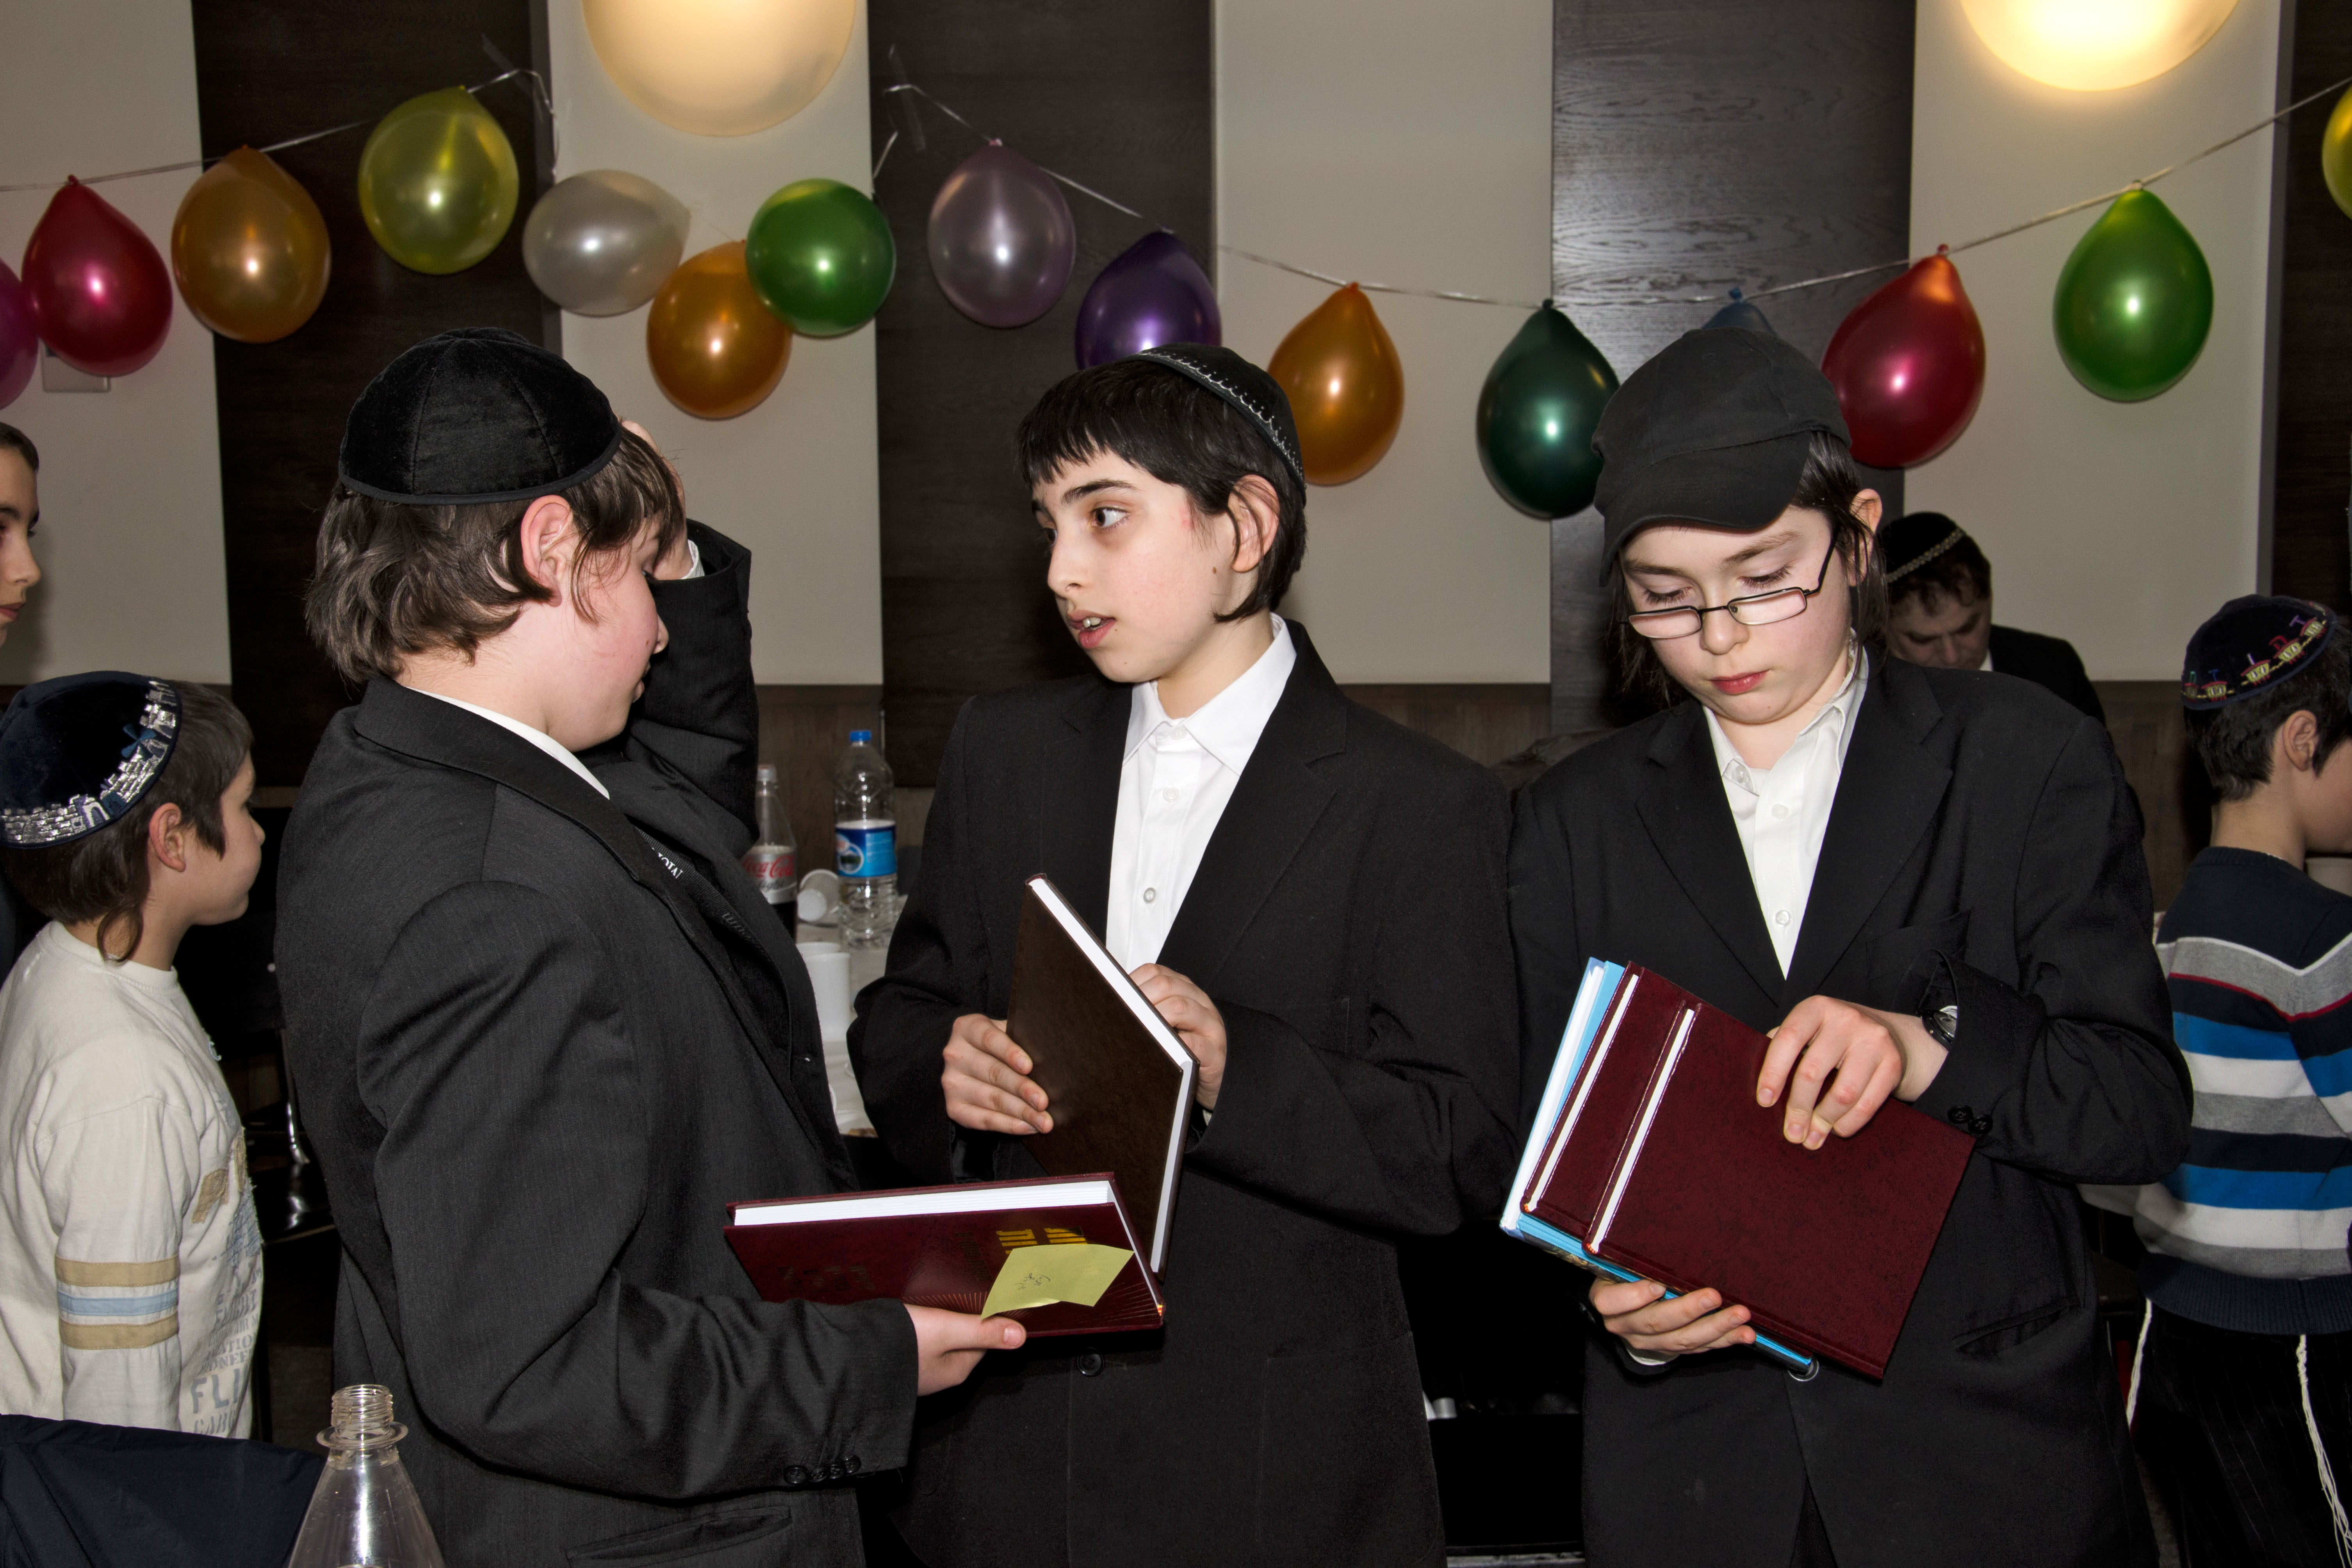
point(1836, 717)
point(1227, 725)
point(539, 738)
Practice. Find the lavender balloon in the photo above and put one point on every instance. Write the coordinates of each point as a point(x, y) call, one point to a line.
point(1153, 292)
point(18, 347)
point(1002, 241)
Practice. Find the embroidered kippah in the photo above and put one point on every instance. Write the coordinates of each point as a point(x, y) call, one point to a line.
point(65, 771)
point(1241, 384)
point(1912, 540)
point(477, 415)
point(2249, 644)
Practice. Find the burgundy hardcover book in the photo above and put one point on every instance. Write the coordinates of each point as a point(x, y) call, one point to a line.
point(945, 1247)
point(1824, 1247)
point(1606, 1098)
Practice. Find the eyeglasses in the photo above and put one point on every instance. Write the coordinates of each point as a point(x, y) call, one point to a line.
point(1749, 610)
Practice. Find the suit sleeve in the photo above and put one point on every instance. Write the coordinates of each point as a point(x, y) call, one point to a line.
point(510, 1179)
point(699, 716)
point(938, 971)
point(1549, 950)
point(1400, 1119)
point(2071, 1074)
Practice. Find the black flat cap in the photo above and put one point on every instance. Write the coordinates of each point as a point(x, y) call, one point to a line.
point(1241, 384)
point(480, 413)
point(1913, 540)
point(2249, 644)
point(66, 770)
point(1713, 430)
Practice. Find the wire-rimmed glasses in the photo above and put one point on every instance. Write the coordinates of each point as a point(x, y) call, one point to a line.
point(1749, 609)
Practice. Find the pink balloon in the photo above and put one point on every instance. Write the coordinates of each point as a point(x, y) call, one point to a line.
point(1909, 365)
point(19, 344)
point(101, 296)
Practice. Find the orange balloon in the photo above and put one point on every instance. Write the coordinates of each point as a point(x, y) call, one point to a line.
point(1346, 386)
point(714, 349)
point(249, 249)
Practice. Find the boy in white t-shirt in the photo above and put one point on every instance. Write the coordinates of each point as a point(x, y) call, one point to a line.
point(130, 1255)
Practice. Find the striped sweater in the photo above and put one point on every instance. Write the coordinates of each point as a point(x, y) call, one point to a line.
point(2250, 1232)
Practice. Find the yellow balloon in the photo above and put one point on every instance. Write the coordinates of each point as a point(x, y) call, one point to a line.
point(2336, 153)
point(721, 67)
point(250, 249)
point(437, 181)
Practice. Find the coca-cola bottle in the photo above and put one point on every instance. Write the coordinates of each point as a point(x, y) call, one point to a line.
point(772, 862)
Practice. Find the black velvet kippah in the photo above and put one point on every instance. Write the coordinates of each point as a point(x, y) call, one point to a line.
point(480, 413)
point(1910, 542)
point(79, 752)
point(2249, 644)
point(1241, 384)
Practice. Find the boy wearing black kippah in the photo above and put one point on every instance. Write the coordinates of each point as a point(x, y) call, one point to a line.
point(1312, 896)
point(544, 1027)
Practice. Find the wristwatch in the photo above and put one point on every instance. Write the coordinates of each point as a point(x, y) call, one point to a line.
point(1943, 1024)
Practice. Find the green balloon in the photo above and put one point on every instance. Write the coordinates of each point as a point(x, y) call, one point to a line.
point(1537, 414)
point(2134, 301)
point(820, 256)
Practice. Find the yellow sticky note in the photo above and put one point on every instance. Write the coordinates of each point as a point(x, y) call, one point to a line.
point(1075, 1272)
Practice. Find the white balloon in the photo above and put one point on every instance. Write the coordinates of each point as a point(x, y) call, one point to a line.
point(600, 243)
point(721, 67)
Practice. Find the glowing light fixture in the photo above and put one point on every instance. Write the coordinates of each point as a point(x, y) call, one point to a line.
point(2091, 46)
point(721, 67)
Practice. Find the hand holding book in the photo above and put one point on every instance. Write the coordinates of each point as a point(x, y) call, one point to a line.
point(986, 1081)
point(1871, 1054)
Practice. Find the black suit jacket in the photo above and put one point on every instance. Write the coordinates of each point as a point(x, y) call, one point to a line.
point(535, 1079)
point(1347, 921)
point(1981, 840)
point(2048, 662)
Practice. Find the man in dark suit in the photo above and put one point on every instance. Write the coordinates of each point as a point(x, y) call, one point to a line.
point(544, 1027)
point(1312, 896)
point(1940, 613)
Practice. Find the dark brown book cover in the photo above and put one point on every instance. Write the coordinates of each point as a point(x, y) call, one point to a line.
point(1117, 1081)
point(943, 1247)
point(1606, 1098)
point(1825, 1248)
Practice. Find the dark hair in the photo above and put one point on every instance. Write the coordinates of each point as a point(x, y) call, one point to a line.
point(1179, 433)
point(1961, 573)
point(103, 877)
point(2234, 741)
point(14, 440)
point(395, 580)
point(1830, 485)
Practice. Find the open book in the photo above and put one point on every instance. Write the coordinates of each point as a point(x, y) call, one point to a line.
point(1117, 1081)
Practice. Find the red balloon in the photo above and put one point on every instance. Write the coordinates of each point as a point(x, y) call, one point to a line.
point(101, 294)
point(1908, 365)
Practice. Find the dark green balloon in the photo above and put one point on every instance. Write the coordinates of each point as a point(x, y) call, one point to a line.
point(1536, 414)
point(820, 256)
point(2134, 301)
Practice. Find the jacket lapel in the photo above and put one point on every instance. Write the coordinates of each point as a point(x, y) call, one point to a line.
point(1079, 806)
point(1275, 804)
point(1889, 792)
point(1689, 824)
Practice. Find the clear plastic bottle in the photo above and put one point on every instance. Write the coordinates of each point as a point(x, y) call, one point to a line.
point(864, 844)
point(773, 862)
point(365, 1510)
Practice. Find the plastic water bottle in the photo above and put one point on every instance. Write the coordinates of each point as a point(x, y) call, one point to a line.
point(774, 862)
point(864, 844)
point(365, 1510)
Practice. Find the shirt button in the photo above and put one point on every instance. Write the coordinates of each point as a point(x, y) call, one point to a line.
point(1780, 811)
point(1151, 895)
point(1780, 917)
point(1168, 795)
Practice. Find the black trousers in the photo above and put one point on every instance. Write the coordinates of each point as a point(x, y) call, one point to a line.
point(2221, 1424)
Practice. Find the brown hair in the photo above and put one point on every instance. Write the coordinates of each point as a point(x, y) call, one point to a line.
point(1830, 485)
point(395, 580)
point(103, 877)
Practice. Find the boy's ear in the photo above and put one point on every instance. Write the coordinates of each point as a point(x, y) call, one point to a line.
point(1869, 508)
point(1256, 512)
point(548, 539)
point(2295, 743)
point(167, 838)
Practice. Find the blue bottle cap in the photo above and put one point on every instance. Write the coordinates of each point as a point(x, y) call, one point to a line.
point(861, 737)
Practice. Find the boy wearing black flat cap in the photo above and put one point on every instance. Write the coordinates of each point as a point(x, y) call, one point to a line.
point(1312, 896)
point(545, 1030)
point(1930, 888)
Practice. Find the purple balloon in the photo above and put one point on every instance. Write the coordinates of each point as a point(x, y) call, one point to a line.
point(1002, 241)
point(19, 347)
point(1153, 292)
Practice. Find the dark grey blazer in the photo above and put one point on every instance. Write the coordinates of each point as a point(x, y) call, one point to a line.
point(1981, 836)
point(535, 1081)
point(1347, 921)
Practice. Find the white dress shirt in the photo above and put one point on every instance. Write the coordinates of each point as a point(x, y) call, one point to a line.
point(1782, 811)
point(1173, 784)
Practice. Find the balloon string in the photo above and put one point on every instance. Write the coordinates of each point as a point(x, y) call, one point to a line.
point(276, 146)
point(1378, 287)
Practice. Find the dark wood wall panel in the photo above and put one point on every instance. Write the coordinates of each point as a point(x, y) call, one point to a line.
point(1119, 97)
point(1696, 146)
point(2310, 549)
point(267, 71)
